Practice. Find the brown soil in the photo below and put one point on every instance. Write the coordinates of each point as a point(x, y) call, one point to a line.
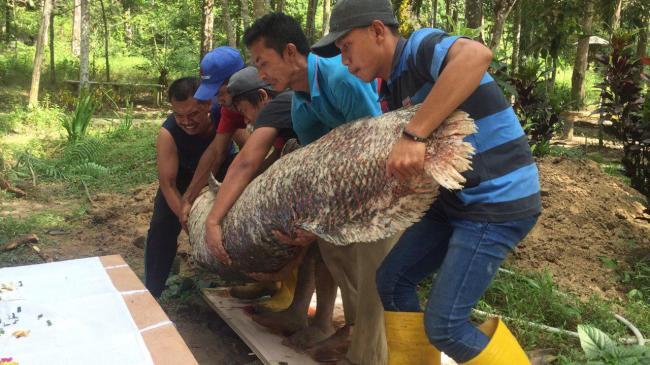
point(588, 217)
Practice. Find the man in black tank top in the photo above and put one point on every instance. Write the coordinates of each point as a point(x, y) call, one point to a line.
point(183, 137)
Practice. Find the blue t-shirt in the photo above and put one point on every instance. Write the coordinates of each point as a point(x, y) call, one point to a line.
point(504, 182)
point(335, 97)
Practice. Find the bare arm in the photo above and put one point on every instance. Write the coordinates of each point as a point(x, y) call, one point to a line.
point(211, 160)
point(167, 161)
point(240, 137)
point(241, 172)
point(465, 64)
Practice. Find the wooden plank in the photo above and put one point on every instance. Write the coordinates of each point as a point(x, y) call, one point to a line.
point(161, 337)
point(267, 345)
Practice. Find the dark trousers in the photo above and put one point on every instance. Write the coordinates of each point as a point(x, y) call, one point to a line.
point(162, 242)
point(162, 238)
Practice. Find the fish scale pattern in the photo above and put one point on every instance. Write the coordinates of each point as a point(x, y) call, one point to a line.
point(336, 188)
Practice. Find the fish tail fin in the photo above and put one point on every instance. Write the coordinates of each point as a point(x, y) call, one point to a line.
point(447, 155)
point(213, 183)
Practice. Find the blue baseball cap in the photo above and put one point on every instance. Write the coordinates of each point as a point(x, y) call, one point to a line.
point(216, 66)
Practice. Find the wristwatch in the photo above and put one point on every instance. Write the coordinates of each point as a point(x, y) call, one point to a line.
point(412, 136)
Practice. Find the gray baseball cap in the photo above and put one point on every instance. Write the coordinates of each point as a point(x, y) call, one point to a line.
point(350, 14)
point(245, 80)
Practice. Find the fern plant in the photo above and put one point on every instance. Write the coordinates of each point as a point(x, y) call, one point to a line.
point(600, 349)
point(77, 124)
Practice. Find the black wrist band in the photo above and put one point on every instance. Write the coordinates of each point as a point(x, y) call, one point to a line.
point(412, 136)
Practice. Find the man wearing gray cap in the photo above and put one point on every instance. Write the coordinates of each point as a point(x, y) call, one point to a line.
point(465, 235)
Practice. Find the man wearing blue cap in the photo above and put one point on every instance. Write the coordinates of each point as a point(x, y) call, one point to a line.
point(216, 68)
point(466, 234)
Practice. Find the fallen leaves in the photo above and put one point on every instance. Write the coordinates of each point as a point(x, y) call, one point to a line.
point(20, 333)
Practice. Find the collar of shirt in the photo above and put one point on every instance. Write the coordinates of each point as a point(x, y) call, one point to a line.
point(395, 67)
point(312, 75)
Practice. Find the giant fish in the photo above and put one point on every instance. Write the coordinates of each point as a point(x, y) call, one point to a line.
point(337, 188)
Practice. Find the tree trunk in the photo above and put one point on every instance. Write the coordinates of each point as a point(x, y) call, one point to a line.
point(582, 53)
point(52, 65)
point(616, 17)
point(76, 28)
point(230, 30)
point(84, 47)
point(260, 8)
point(9, 4)
point(473, 13)
point(642, 44)
point(38, 57)
point(516, 44)
point(434, 13)
point(501, 10)
point(128, 27)
point(106, 35)
point(327, 4)
point(279, 6)
point(310, 28)
point(448, 14)
point(208, 24)
point(245, 14)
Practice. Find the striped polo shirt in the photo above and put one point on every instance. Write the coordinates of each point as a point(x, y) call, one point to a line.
point(504, 182)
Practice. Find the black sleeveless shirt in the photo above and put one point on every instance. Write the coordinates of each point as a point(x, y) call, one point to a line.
point(190, 148)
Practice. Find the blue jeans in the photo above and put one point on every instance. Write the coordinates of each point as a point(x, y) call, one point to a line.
point(465, 256)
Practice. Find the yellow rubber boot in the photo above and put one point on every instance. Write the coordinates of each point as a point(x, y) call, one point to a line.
point(406, 340)
point(282, 298)
point(503, 347)
point(254, 290)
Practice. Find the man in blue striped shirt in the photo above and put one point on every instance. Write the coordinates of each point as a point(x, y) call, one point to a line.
point(465, 235)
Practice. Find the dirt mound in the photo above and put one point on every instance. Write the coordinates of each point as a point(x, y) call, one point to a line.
point(589, 218)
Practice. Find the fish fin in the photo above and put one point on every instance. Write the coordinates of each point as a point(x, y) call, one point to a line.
point(290, 146)
point(447, 155)
point(213, 183)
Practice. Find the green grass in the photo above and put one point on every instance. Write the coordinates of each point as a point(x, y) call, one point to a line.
point(38, 223)
point(534, 297)
point(592, 95)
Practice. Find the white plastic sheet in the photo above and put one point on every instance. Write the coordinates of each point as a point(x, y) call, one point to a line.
point(73, 313)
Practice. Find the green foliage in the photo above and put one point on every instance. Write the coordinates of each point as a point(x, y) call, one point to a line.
point(600, 349)
point(622, 103)
point(11, 227)
point(537, 113)
point(20, 117)
point(76, 162)
point(77, 124)
point(637, 279)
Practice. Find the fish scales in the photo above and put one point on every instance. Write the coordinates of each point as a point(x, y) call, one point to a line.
point(336, 188)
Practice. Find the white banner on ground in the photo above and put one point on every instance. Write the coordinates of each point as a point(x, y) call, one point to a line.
point(71, 314)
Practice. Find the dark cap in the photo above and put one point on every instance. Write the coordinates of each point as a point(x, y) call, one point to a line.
point(244, 81)
point(350, 14)
point(216, 66)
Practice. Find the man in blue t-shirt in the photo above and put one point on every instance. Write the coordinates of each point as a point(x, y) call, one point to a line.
point(325, 96)
point(465, 235)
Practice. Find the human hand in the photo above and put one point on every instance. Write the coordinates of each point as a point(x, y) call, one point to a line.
point(186, 207)
point(214, 242)
point(406, 159)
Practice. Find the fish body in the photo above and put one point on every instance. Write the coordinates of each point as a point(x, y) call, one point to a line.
point(336, 188)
